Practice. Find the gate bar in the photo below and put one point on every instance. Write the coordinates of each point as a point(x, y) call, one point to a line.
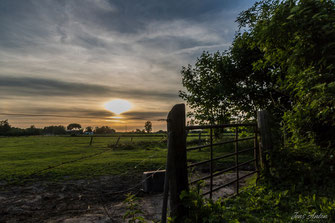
point(223, 171)
point(211, 163)
point(220, 157)
point(190, 127)
point(219, 143)
point(236, 159)
point(244, 176)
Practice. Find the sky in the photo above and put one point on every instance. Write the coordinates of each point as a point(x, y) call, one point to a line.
point(61, 61)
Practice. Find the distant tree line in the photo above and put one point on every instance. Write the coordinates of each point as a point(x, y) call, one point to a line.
point(7, 130)
point(74, 128)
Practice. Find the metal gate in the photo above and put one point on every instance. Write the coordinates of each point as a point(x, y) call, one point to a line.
point(236, 167)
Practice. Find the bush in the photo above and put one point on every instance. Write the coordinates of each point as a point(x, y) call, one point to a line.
point(263, 204)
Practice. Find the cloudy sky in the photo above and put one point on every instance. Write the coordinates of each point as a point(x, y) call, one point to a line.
point(62, 60)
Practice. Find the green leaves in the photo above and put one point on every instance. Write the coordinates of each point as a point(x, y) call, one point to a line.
point(297, 39)
point(133, 213)
point(281, 60)
point(260, 204)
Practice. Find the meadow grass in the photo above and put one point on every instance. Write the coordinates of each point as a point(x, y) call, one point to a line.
point(22, 156)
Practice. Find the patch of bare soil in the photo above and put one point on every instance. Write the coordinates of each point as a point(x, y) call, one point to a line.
point(92, 200)
point(64, 201)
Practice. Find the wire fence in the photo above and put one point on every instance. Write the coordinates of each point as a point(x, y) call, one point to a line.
point(100, 194)
point(111, 148)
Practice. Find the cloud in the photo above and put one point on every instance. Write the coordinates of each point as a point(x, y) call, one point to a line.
point(28, 87)
point(145, 115)
point(93, 50)
point(79, 113)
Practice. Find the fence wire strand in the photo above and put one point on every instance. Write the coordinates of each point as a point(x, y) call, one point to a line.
point(30, 176)
point(100, 194)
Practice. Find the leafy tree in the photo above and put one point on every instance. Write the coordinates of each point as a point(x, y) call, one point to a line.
point(74, 126)
point(54, 130)
point(282, 59)
point(223, 86)
point(297, 39)
point(104, 130)
point(148, 126)
point(33, 131)
point(89, 129)
point(14, 131)
point(4, 127)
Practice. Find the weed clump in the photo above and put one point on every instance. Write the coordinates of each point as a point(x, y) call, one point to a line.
point(138, 145)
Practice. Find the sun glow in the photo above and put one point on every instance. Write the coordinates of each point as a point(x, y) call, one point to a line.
point(118, 106)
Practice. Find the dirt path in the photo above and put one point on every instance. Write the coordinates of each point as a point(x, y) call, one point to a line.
point(74, 201)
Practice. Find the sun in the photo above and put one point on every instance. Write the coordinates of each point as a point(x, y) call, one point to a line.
point(118, 106)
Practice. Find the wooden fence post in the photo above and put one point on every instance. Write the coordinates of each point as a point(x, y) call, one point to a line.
point(91, 141)
point(178, 178)
point(266, 145)
point(199, 140)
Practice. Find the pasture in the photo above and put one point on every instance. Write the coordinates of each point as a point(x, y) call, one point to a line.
point(50, 157)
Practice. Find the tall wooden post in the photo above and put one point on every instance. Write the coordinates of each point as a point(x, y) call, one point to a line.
point(263, 122)
point(178, 178)
point(91, 141)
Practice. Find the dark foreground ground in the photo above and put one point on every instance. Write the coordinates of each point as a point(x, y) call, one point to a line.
point(90, 200)
point(71, 201)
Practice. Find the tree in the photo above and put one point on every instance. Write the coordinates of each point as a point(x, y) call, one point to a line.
point(74, 126)
point(298, 42)
point(89, 129)
point(148, 126)
point(4, 127)
point(33, 130)
point(104, 130)
point(54, 130)
point(225, 86)
point(280, 60)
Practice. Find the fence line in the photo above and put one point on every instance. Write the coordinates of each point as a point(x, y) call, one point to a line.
point(100, 194)
point(177, 132)
point(235, 154)
point(30, 176)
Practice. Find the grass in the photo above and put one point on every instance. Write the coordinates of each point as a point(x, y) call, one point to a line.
point(266, 203)
point(22, 156)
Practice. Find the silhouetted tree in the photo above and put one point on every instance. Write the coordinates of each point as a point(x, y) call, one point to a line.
point(104, 130)
point(89, 129)
point(74, 126)
point(33, 131)
point(148, 126)
point(54, 130)
point(4, 127)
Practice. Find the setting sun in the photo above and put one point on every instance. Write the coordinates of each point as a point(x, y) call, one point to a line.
point(118, 106)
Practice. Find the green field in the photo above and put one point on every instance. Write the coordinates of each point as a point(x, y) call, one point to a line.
point(20, 157)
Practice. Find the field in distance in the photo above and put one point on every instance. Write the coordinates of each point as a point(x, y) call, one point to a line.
point(25, 158)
